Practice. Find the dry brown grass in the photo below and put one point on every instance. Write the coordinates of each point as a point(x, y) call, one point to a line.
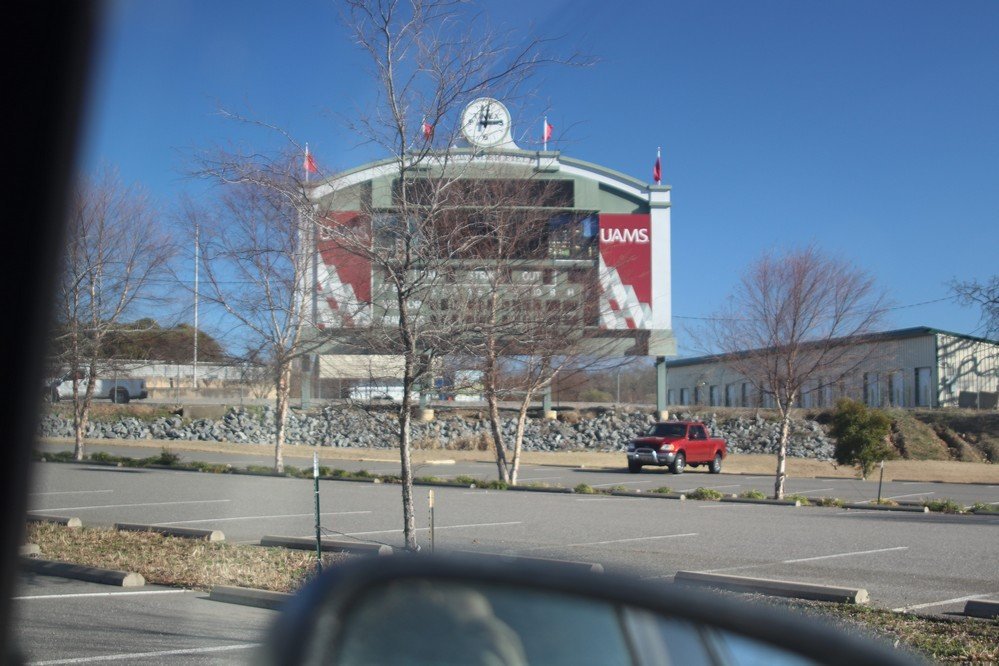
point(178, 562)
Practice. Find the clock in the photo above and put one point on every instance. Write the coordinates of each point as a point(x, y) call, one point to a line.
point(485, 123)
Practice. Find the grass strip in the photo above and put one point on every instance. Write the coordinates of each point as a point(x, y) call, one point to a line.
point(944, 640)
point(166, 560)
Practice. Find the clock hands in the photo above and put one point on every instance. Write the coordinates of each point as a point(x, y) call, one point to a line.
point(485, 120)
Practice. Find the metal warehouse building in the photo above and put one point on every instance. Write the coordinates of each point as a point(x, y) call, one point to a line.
point(911, 367)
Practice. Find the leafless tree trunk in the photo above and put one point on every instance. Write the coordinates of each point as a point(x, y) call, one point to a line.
point(115, 252)
point(792, 319)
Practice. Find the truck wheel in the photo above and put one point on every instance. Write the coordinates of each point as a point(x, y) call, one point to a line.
point(679, 463)
point(634, 466)
point(120, 396)
point(715, 467)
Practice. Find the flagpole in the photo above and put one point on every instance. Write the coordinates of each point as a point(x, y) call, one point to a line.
point(197, 260)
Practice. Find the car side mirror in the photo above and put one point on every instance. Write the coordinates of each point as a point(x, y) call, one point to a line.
point(436, 610)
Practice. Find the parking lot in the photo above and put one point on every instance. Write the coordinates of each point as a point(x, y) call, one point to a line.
point(905, 560)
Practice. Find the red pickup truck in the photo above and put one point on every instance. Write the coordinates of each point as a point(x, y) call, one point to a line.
point(677, 444)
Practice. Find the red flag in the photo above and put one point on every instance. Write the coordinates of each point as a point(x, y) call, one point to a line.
point(309, 164)
point(657, 170)
point(548, 130)
point(428, 130)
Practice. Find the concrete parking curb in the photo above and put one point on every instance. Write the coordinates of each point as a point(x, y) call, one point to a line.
point(633, 493)
point(750, 500)
point(777, 588)
point(329, 545)
point(59, 520)
point(587, 567)
point(29, 550)
point(80, 572)
point(536, 489)
point(184, 532)
point(248, 596)
point(885, 507)
point(980, 608)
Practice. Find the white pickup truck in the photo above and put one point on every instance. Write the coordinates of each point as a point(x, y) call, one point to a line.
point(121, 389)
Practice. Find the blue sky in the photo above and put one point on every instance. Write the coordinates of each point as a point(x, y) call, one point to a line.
point(869, 129)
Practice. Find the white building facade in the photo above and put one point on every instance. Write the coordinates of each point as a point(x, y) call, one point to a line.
point(912, 368)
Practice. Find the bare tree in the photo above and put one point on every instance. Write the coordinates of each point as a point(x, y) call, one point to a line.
point(256, 251)
point(984, 295)
point(524, 320)
point(797, 318)
point(429, 57)
point(114, 255)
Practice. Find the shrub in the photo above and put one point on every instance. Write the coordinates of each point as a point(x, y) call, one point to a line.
point(800, 499)
point(466, 480)
point(982, 507)
point(704, 494)
point(595, 395)
point(945, 505)
point(492, 485)
point(662, 490)
point(166, 457)
point(753, 494)
point(861, 435)
point(829, 501)
point(584, 489)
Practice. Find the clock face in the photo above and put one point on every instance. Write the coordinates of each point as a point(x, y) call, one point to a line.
point(485, 122)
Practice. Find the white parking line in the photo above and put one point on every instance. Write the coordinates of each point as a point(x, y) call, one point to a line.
point(286, 515)
point(124, 506)
point(538, 478)
point(909, 495)
point(619, 483)
point(809, 492)
point(809, 559)
point(905, 609)
point(602, 543)
point(96, 594)
point(144, 655)
point(438, 527)
point(72, 492)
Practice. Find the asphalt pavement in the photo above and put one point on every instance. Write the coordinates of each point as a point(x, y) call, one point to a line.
point(849, 490)
point(61, 621)
point(905, 560)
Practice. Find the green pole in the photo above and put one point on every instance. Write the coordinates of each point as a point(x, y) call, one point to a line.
point(319, 539)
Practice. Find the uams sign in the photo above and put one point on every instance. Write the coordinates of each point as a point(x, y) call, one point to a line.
point(624, 235)
point(625, 271)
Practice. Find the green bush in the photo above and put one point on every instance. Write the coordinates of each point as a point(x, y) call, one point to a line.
point(982, 507)
point(829, 501)
point(492, 485)
point(704, 494)
point(595, 395)
point(466, 480)
point(166, 457)
point(662, 490)
point(861, 435)
point(584, 489)
point(753, 494)
point(800, 499)
point(945, 505)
